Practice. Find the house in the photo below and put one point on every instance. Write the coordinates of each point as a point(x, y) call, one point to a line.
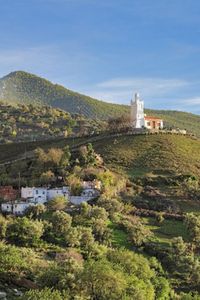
point(38, 195)
point(153, 122)
point(8, 193)
point(16, 208)
point(138, 118)
point(7, 207)
point(27, 192)
point(54, 192)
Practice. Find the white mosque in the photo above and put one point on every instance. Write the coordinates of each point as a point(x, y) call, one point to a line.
point(139, 119)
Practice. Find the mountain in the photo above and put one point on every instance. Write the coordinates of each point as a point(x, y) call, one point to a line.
point(22, 87)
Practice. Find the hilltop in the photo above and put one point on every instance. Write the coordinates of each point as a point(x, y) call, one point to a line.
point(22, 87)
point(25, 88)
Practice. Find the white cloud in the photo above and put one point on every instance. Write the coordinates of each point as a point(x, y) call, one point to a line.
point(192, 101)
point(120, 90)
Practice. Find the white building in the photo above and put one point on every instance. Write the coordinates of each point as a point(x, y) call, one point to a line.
point(63, 191)
point(16, 208)
point(27, 192)
point(137, 112)
point(38, 195)
point(139, 119)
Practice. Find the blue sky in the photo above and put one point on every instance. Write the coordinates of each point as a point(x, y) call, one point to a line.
point(108, 49)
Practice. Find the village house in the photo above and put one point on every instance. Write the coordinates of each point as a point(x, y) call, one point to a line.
point(153, 122)
point(54, 192)
point(8, 193)
point(16, 208)
point(39, 195)
point(139, 119)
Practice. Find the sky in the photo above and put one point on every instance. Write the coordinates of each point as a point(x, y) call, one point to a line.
point(108, 49)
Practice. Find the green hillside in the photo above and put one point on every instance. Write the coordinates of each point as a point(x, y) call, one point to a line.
point(153, 153)
point(22, 87)
point(20, 123)
point(137, 155)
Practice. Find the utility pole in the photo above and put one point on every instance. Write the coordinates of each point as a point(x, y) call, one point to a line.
point(19, 181)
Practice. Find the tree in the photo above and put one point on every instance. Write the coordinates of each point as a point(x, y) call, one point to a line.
point(3, 227)
point(65, 159)
point(75, 184)
point(35, 211)
point(86, 240)
point(100, 281)
point(179, 247)
point(138, 233)
point(47, 177)
point(57, 203)
point(193, 224)
point(54, 156)
point(87, 155)
point(99, 213)
point(61, 275)
point(159, 218)
point(111, 205)
point(61, 223)
point(72, 237)
point(25, 232)
point(12, 262)
point(119, 124)
point(101, 232)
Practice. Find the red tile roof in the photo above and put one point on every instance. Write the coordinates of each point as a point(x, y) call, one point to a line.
point(152, 118)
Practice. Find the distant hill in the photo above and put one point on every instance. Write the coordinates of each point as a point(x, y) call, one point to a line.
point(22, 87)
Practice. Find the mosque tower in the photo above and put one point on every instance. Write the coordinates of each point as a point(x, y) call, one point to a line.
point(137, 112)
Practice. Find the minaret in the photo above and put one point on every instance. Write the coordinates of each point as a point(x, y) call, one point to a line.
point(137, 112)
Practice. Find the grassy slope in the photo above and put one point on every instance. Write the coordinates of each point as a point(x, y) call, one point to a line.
point(143, 154)
point(137, 155)
point(22, 87)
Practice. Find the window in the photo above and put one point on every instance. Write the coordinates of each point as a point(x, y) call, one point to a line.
point(148, 123)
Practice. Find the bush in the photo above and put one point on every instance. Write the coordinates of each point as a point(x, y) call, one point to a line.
point(25, 232)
